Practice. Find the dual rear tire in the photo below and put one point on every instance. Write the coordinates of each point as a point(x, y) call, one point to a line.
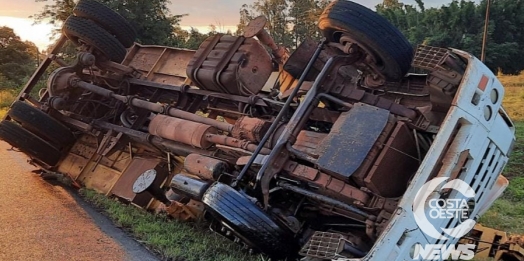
point(36, 134)
point(99, 27)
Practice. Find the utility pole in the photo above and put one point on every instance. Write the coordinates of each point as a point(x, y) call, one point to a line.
point(486, 27)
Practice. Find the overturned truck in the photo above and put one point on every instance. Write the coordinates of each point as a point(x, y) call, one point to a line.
point(322, 153)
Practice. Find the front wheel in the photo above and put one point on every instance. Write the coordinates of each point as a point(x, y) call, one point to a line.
point(248, 221)
point(345, 21)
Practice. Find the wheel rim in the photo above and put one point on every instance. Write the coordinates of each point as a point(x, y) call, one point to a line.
point(344, 38)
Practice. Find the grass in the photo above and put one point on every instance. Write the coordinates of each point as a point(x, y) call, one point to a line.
point(514, 98)
point(171, 239)
point(6, 98)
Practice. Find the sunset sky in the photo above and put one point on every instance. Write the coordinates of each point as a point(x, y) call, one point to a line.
point(202, 13)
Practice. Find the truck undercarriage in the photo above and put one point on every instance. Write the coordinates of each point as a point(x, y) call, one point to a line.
point(317, 153)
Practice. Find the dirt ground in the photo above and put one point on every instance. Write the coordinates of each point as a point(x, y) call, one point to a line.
point(41, 221)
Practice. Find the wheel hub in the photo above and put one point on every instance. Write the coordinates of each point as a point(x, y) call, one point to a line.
point(370, 64)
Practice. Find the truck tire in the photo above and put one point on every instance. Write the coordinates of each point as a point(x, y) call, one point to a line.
point(80, 30)
point(108, 19)
point(29, 143)
point(253, 225)
point(371, 31)
point(41, 124)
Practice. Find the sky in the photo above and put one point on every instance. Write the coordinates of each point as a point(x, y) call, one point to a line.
point(202, 13)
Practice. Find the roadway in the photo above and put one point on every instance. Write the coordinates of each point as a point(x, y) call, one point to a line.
point(45, 221)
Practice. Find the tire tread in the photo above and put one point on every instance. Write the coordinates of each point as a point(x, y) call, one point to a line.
point(76, 28)
point(29, 143)
point(108, 19)
point(248, 220)
point(378, 31)
point(41, 124)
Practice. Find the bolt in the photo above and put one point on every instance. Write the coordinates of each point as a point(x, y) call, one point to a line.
point(73, 81)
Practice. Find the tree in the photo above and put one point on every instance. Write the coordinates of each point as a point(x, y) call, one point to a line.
point(460, 25)
point(17, 59)
point(304, 16)
point(55, 13)
point(150, 18)
point(278, 22)
point(245, 17)
point(289, 21)
point(194, 39)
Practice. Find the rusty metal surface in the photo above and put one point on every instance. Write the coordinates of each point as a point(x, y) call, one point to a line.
point(191, 211)
point(360, 175)
point(308, 142)
point(400, 154)
point(187, 132)
point(324, 115)
point(79, 156)
point(205, 167)
point(351, 140)
point(159, 63)
point(331, 186)
point(279, 155)
point(200, 119)
point(429, 58)
point(234, 143)
point(100, 180)
point(356, 95)
point(123, 187)
point(332, 203)
point(251, 129)
point(494, 244)
point(324, 246)
point(83, 167)
point(256, 28)
point(194, 91)
point(298, 60)
point(233, 65)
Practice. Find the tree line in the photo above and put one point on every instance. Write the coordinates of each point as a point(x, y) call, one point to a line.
point(458, 24)
point(289, 21)
point(18, 58)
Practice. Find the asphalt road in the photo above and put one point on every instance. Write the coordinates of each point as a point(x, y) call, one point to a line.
point(41, 221)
